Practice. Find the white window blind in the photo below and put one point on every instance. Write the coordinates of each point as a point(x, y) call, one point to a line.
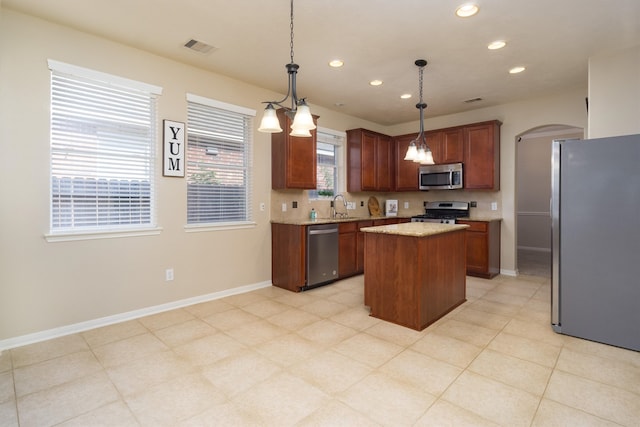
point(218, 162)
point(103, 133)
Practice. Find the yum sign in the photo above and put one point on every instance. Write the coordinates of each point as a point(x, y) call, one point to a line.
point(173, 149)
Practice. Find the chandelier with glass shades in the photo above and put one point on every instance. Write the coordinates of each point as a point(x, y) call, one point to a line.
point(299, 110)
point(418, 150)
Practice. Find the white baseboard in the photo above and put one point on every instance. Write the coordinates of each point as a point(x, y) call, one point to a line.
point(122, 317)
point(534, 249)
point(505, 272)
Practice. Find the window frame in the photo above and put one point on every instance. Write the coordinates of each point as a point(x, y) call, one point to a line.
point(249, 222)
point(99, 231)
point(338, 140)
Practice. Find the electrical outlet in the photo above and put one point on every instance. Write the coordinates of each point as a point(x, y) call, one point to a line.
point(294, 205)
point(406, 205)
point(168, 274)
point(262, 207)
point(361, 203)
point(284, 207)
point(494, 206)
point(473, 204)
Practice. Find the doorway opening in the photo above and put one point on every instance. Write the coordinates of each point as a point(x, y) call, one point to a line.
point(533, 195)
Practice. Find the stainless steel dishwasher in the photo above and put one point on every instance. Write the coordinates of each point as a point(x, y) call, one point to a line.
point(322, 254)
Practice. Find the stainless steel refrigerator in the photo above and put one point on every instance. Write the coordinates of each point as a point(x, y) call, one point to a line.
point(595, 215)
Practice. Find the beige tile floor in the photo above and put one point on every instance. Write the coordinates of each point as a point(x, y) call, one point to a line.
point(275, 358)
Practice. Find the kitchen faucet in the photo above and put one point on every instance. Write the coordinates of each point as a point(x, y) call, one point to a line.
point(334, 212)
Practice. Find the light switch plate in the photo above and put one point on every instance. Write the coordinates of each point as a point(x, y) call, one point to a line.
point(494, 206)
point(284, 207)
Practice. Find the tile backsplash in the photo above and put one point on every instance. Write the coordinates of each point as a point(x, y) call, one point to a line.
point(409, 203)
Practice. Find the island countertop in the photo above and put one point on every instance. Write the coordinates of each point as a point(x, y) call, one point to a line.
point(414, 229)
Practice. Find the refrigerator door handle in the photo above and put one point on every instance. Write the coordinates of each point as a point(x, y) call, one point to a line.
point(554, 209)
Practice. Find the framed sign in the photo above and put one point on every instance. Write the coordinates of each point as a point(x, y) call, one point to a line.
point(173, 150)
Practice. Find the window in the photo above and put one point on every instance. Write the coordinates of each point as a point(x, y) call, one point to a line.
point(218, 162)
point(329, 149)
point(103, 133)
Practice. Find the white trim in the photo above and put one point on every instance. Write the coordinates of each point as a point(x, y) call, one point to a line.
point(123, 317)
point(534, 249)
point(339, 134)
point(104, 77)
point(219, 104)
point(197, 228)
point(107, 234)
point(505, 272)
point(535, 214)
point(556, 132)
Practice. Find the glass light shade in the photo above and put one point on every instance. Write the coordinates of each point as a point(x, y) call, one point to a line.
point(412, 152)
point(303, 133)
point(303, 119)
point(270, 122)
point(422, 155)
point(428, 158)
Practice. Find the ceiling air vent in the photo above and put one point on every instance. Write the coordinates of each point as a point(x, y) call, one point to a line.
point(198, 46)
point(472, 100)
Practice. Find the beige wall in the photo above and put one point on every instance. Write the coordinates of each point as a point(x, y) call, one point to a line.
point(51, 285)
point(614, 93)
point(533, 171)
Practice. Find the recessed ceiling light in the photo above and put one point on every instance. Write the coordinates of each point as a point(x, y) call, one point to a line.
point(375, 82)
point(467, 10)
point(405, 96)
point(336, 63)
point(498, 44)
point(516, 70)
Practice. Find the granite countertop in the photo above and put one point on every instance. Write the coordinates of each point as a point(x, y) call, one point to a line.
point(480, 218)
point(307, 221)
point(415, 229)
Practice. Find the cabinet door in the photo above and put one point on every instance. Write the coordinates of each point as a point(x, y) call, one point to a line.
point(301, 163)
point(368, 161)
point(360, 245)
point(406, 172)
point(288, 243)
point(451, 146)
point(347, 265)
point(434, 142)
point(482, 156)
point(477, 252)
point(384, 156)
point(293, 159)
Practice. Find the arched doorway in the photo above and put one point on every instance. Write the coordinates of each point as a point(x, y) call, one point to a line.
point(533, 193)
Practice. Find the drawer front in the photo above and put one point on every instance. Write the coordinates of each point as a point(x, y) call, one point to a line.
point(347, 227)
point(480, 226)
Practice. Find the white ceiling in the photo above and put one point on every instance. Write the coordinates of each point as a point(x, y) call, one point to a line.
point(377, 39)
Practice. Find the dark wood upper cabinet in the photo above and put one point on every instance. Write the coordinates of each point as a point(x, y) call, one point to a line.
point(482, 156)
point(369, 161)
point(406, 172)
point(293, 159)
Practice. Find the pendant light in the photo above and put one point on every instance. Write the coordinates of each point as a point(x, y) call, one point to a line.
point(418, 150)
point(299, 110)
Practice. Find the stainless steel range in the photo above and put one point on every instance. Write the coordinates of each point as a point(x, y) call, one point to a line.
point(443, 212)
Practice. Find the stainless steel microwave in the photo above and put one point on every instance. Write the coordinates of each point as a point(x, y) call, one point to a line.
point(440, 177)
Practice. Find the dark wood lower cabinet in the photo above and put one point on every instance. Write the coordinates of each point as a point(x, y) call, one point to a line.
point(347, 250)
point(288, 251)
point(414, 281)
point(483, 248)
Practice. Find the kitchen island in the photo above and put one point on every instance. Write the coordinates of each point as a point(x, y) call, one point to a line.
point(414, 273)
